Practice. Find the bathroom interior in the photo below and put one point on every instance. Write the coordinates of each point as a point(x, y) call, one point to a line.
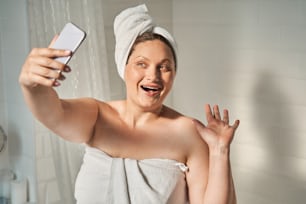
point(246, 55)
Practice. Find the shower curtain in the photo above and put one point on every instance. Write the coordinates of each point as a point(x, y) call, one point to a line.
point(58, 161)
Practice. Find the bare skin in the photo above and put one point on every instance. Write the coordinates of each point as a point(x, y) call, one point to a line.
point(139, 127)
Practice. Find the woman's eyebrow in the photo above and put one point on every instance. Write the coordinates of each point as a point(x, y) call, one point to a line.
point(167, 61)
point(143, 57)
point(148, 59)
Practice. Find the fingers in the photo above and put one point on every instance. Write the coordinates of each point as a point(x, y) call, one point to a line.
point(47, 67)
point(214, 114)
point(225, 116)
point(236, 124)
point(209, 114)
point(39, 80)
point(53, 41)
point(47, 72)
point(41, 76)
point(46, 62)
point(41, 69)
point(50, 52)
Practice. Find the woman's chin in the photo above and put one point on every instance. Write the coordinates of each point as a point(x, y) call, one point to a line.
point(151, 103)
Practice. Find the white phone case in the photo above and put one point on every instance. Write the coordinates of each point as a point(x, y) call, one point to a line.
point(70, 38)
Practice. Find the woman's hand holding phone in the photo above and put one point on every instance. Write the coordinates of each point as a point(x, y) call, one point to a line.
point(44, 66)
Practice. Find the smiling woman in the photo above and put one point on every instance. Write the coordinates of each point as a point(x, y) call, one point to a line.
point(135, 143)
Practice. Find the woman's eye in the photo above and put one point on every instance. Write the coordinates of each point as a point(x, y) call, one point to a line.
point(141, 64)
point(165, 67)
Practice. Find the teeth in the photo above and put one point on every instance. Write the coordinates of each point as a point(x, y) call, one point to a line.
point(153, 88)
point(148, 88)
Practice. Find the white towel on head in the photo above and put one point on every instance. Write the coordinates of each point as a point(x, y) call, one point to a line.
point(129, 24)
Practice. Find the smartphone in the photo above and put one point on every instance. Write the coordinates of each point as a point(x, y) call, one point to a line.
point(70, 38)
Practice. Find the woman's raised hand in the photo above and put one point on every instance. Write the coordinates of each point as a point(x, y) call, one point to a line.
point(218, 133)
point(40, 68)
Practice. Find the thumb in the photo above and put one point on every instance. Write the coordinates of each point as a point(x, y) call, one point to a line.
point(53, 41)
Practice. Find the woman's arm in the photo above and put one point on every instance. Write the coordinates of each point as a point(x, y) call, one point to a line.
point(220, 186)
point(217, 184)
point(71, 119)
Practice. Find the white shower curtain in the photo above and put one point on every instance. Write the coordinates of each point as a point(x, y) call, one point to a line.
point(58, 161)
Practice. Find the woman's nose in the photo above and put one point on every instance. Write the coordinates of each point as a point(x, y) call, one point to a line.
point(153, 73)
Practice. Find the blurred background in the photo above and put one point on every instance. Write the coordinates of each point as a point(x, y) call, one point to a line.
point(246, 55)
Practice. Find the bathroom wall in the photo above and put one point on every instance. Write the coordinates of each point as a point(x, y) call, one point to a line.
point(249, 56)
point(16, 118)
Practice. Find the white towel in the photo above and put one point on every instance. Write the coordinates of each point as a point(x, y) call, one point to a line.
point(129, 24)
point(111, 180)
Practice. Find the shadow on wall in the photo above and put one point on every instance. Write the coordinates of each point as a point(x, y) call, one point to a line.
point(277, 181)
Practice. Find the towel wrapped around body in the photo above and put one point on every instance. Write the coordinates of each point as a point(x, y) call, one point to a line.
point(105, 179)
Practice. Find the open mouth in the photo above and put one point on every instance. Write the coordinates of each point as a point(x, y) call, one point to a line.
point(150, 88)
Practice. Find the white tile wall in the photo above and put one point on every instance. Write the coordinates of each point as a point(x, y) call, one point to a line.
point(249, 55)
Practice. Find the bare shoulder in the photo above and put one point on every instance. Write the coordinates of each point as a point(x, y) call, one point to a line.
point(183, 123)
point(185, 128)
point(175, 116)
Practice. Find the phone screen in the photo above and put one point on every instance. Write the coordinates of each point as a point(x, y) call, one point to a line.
point(70, 38)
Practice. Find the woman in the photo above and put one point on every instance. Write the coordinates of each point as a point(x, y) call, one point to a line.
point(137, 150)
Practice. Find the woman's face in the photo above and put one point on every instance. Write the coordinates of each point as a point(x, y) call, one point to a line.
point(149, 73)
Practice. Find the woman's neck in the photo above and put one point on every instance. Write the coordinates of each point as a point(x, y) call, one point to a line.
point(136, 116)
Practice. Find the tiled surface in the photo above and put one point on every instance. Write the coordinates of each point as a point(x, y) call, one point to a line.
point(249, 56)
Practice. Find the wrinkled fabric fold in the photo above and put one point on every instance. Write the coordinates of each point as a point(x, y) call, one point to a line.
point(104, 179)
point(129, 24)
